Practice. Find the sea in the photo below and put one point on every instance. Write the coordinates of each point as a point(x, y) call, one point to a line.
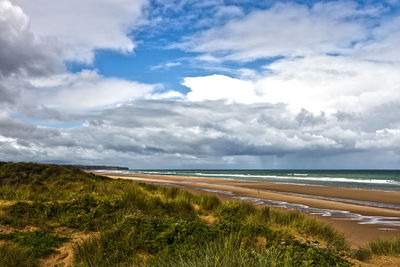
point(387, 180)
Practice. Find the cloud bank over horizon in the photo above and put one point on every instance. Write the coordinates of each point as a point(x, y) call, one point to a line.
point(231, 85)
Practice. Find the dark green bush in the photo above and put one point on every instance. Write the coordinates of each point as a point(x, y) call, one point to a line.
point(41, 243)
point(36, 244)
point(84, 213)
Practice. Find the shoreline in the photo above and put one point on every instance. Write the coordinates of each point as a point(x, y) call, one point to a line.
point(345, 209)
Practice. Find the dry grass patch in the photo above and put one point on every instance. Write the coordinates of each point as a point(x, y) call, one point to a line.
point(210, 219)
point(260, 242)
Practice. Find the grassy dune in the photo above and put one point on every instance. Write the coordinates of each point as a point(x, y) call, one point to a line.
point(45, 208)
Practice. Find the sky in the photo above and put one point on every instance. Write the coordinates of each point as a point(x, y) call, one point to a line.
point(175, 84)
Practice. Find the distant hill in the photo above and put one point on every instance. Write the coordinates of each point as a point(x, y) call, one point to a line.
point(82, 167)
point(34, 173)
point(97, 167)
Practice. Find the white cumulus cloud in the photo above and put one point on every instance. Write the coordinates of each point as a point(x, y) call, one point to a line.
point(83, 26)
point(88, 90)
point(320, 83)
point(286, 29)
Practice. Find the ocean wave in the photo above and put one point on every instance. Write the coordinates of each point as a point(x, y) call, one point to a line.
point(155, 172)
point(294, 178)
point(344, 180)
point(301, 177)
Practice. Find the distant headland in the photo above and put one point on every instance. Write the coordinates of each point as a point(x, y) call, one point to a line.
point(97, 167)
point(86, 167)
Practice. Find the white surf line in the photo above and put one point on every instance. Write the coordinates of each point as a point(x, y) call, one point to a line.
point(296, 177)
point(276, 179)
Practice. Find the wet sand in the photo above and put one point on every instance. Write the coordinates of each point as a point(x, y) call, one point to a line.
point(363, 215)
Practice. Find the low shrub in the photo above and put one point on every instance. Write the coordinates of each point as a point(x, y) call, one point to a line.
point(41, 243)
point(12, 254)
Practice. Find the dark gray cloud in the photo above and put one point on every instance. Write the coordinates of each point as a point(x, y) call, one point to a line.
point(22, 52)
point(11, 89)
point(198, 133)
point(27, 135)
point(22, 55)
point(305, 117)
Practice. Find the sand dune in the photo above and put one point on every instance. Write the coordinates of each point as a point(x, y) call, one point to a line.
point(363, 215)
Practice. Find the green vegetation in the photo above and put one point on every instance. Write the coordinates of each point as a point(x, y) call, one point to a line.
point(127, 223)
point(40, 244)
point(380, 247)
point(12, 254)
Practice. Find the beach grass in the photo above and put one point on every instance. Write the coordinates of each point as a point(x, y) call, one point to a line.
point(12, 254)
point(382, 247)
point(128, 223)
point(40, 243)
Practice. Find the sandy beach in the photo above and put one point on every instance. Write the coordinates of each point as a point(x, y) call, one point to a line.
point(363, 215)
